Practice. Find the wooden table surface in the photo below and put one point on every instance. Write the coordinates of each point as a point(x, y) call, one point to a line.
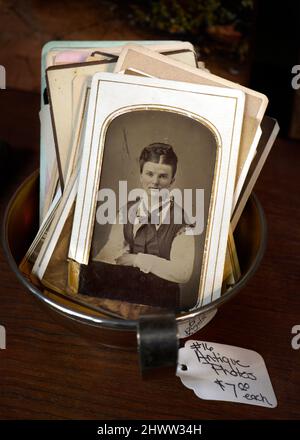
point(47, 372)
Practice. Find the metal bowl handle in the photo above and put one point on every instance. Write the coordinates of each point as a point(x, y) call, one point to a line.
point(158, 343)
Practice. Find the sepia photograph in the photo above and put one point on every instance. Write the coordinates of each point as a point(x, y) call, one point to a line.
point(139, 113)
point(150, 226)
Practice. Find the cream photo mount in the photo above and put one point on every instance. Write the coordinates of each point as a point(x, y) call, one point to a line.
point(220, 109)
point(47, 60)
point(156, 65)
point(178, 50)
point(58, 221)
point(60, 81)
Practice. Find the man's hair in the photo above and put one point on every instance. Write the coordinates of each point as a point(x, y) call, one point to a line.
point(159, 153)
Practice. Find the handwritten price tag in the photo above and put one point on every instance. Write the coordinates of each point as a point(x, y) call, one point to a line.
point(223, 372)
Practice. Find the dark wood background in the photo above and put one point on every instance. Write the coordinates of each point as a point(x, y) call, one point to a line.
point(48, 372)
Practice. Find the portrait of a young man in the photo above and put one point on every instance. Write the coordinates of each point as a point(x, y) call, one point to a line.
point(150, 254)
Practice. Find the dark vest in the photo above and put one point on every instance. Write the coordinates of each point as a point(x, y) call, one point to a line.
point(149, 240)
point(129, 283)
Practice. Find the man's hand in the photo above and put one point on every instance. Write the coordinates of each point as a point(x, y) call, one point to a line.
point(126, 260)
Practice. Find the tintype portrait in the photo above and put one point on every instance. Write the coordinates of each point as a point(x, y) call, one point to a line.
point(152, 211)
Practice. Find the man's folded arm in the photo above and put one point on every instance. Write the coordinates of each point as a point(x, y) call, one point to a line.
point(180, 266)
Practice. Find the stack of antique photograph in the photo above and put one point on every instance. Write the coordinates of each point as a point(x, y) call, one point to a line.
point(147, 163)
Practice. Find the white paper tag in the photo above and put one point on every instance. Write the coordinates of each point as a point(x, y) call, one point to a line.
point(223, 372)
